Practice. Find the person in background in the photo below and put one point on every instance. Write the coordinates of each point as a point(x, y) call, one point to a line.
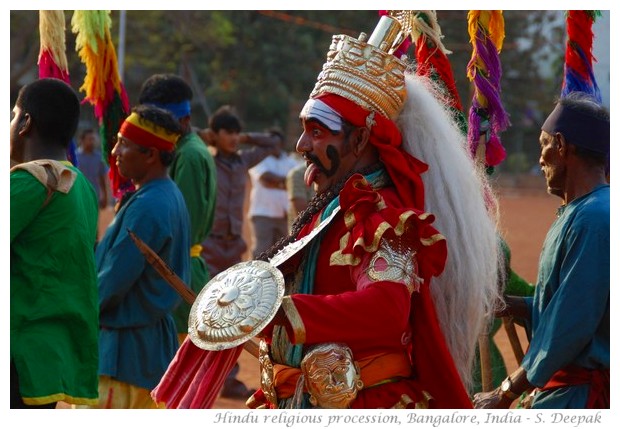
point(568, 360)
point(298, 193)
point(90, 162)
point(193, 171)
point(138, 337)
point(225, 245)
point(53, 286)
point(269, 201)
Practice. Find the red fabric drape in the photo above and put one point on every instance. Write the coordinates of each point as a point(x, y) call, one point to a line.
point(195, 376)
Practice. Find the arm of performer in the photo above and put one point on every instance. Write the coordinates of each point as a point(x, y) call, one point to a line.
point(312, 318)
point(375, 313)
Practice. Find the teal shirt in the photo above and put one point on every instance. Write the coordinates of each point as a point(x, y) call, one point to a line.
point(570, 307)
point(138, 336)
point(193, 170)
point(54, 310)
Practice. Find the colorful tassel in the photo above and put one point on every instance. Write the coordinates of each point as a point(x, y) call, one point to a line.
point(52, 57)
point(578, 71)
point(487, 114)
point(102, 84)
point(432, 60)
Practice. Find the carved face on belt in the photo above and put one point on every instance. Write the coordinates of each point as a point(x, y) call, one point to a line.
point(332, 376)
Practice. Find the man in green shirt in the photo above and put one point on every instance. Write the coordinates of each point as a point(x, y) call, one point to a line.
point(194, 172)
point(54, 300)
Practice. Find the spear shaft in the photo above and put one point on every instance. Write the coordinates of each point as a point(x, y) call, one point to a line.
point(176, 282)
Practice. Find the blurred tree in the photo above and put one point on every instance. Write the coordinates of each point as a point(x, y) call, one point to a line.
point(24, 48)
point(268, 60)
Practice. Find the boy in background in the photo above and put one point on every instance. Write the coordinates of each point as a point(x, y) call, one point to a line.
point(225, 245)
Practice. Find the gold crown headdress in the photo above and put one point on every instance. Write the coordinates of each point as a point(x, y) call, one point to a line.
point(364, 71)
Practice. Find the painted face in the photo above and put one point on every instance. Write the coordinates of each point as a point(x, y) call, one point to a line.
point(227, 141)
point(552, 164)
point(130, 159)
point(327, 154)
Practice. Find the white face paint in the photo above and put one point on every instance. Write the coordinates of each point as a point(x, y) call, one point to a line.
point(316, 109)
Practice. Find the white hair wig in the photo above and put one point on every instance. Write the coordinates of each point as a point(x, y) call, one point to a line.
point(458, 194)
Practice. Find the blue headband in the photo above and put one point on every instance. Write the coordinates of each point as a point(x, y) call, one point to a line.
point(179, 110)
point(579, 128)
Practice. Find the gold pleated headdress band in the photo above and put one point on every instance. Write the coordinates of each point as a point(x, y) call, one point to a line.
point(364, 70)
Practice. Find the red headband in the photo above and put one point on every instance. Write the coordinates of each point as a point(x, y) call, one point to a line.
point(144, 133)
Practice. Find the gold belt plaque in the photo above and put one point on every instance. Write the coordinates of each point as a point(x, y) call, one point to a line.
point(332, 376)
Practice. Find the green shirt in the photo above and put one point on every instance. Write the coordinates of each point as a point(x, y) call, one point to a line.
point(54, 299)
point(193, 170)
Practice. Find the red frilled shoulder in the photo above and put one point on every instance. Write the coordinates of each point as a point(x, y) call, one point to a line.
point(370, 215)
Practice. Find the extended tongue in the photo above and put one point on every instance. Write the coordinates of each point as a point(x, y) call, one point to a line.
point(310, 174)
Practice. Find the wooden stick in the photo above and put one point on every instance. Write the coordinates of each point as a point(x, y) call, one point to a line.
point(164, 270)
point(486, 371)
point(515, 344)
point(188, 295)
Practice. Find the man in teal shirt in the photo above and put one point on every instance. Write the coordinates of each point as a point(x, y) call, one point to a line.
point(193, 170)
point(567, 362)
point(138, 338)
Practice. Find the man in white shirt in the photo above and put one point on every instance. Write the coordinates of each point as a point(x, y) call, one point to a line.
point(269, 201)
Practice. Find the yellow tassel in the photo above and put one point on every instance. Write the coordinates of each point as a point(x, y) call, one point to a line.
point(492, 23)
point(496, 29)
point(96, 50)
point(90, 26)
point(52, 34)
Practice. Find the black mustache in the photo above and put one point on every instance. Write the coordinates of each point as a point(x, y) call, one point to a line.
point(333, 156)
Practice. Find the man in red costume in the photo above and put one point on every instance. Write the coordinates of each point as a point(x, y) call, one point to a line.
point(383, 307)
point(363, 284)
